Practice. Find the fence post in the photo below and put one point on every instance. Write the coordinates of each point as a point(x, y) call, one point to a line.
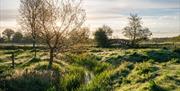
point(13, 59)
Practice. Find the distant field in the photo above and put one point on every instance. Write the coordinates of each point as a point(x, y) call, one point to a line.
point(142, 45)
point(9, 46)
point(161, 44)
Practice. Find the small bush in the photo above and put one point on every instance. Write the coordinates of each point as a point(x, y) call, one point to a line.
point(101, 38)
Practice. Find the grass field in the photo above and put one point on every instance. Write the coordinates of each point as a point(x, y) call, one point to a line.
point(111, 69)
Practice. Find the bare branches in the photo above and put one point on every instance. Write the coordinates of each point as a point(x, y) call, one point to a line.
point(29, 11)
point(135, 31)
point(58, 18)
point(52, 20)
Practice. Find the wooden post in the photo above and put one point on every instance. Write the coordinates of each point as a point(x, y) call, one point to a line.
point(13, 59)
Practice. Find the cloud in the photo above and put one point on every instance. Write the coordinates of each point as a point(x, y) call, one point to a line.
point(8, 15)
point(161, 16)
point(130, 4)
point(9, 4)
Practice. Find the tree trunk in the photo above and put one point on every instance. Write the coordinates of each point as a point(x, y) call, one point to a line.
point(133, 43)
point(9, 39)
point(51, 58)
point(34, 48)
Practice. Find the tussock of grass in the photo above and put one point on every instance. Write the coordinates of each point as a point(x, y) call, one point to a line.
point(72, 79)
point(28, 80)
point(142, 73)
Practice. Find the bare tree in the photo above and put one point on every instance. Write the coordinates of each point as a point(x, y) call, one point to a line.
point(80, 36)
point(58, 19)
point(29, 13)
point(134, 31)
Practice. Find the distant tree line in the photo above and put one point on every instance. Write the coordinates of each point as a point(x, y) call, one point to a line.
point(166, 39)
point(12, 36)
point(9, 35)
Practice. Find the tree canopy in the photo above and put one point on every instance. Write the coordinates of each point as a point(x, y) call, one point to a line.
point(135, 31)
point(101, 36)
point(8, 33)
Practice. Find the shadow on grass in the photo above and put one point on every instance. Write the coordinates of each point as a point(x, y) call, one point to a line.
point(134, 57)
point(31, 61)
point(154, 55)
point(154, 87)
point(162, 55)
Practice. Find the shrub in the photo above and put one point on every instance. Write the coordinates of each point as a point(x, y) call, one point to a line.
point(101, 38)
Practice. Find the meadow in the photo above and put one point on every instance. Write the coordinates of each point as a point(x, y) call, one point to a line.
point(92, 69)
point(89, 45)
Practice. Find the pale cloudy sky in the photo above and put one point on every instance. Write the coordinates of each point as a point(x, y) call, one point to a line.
point(161, 16)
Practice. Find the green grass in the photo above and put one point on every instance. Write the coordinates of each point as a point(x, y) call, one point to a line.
point(98, 69)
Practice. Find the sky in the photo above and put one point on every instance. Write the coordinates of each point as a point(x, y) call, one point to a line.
point(162, 17)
